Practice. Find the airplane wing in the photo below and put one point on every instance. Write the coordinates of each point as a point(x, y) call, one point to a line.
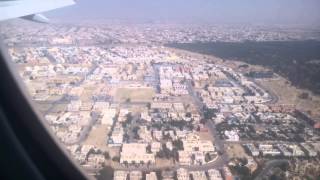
point(30, 9)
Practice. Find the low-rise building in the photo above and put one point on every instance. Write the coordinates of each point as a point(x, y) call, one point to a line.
point(268, 150)
point(135, 175)
point(214, 174)
point(157, 135)
point(284, 150)
point(116, 138)
point(100, 106)
point(108, 116)
point(155, 147)
point(251, 165)
point(309, 149)
point(227, 173)
point(184, 157)
point(253, 150)
point(120, 175)
point(199, 157)
point(232, 135)
point(182, 174)
point(135, 153)
point(296, 150)
point(151, 176)
point(198, 175)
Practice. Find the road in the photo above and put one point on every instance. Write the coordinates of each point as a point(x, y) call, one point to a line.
point(50, 57)
point(219, 162)
point(133, 125)
point(195, 97)
point(222, 159)
point(85, 131)
point(274, 97)
point(156, 77)
point(219, 144)
point(93, 68)
point(63, 99)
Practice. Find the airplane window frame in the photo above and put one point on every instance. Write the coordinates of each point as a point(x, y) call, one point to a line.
point(25, 133)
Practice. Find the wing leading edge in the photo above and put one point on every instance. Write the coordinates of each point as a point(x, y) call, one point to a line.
point(30, 9)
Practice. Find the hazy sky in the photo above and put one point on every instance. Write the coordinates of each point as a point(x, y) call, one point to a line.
point(214, 11)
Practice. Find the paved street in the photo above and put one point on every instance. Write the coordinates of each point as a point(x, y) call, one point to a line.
point(86, 129)
point(222, 160)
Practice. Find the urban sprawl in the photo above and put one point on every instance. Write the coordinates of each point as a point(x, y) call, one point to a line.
point(117, 97)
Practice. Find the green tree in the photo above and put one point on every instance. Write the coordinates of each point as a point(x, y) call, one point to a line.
point(106, 155)
point(105, 173)
point(116, 159)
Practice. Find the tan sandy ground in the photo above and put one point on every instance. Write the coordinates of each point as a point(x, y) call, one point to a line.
point(185, 54)
point(286, 93)
point(98, 137)
point(163, 162)
point(289, 95)
point(235, 151)
point(114, 151)
point(134, 94)
point(54, 98)
point(113, 164)
point(205, 136)
point(87, 93)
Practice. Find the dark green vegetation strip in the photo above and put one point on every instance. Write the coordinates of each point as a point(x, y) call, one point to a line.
point(299, 61)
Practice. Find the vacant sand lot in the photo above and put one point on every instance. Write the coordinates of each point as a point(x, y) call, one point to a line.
point(236, 151)
point(287, 94)
point(134, 94)
point(290, 95)
point(98, 137)
point(205, 136)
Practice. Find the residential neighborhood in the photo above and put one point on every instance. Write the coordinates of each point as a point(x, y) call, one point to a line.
point(128, 102)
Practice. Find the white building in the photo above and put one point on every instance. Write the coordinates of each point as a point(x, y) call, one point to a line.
point(253, 150)
point(182, 174)
point(199, 157)
point(184, 157)
point(214, 174)
point(135, 153)
point(108, 116)
point(116, 138)
point(135, 175)
point(232, 135)
point(268, 149)
point(155, 147)
point(198, 175)
point(120, 175)
point(151, 176)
